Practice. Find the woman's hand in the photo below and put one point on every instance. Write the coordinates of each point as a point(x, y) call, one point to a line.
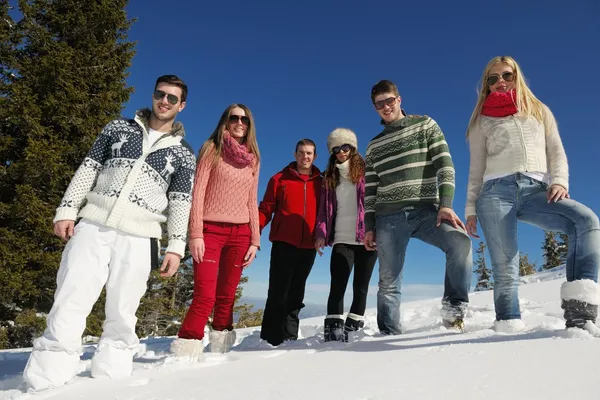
point(472, 226)
point(320, 245)
point(250, 255)
point(197, 249)
point(557, 193)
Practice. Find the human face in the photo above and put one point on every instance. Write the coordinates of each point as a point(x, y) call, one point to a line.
point(389, 112)
point(305, 156)
point(238, 123)
point(343, 152)
point(502, 71)
point(161, 108)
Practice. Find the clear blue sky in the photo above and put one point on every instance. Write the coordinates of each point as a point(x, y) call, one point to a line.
point(305, 68)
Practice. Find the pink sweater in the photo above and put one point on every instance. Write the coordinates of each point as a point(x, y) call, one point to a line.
point(224, 193)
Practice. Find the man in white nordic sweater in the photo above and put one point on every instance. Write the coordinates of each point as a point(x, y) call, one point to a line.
point(137, 171)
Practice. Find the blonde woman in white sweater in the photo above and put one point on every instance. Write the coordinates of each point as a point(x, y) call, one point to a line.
point(519, 171)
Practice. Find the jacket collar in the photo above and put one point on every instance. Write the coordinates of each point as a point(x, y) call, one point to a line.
point(142, 117)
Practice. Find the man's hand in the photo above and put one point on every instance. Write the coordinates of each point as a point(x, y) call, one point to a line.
point(197, 249)
point(370, 241)
point(64, 229)
point(472, 226)
point(319, 246)
point(170, 264)
point(557, 193)
point(250, 255)
point(447, 214)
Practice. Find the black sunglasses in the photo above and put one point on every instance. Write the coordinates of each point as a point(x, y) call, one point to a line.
point(345, 148)
point(382, 103)
point(159, 95)
point(233, 119)
point(506, 76)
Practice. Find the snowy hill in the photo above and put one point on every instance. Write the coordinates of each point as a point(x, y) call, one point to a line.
point(427, 362)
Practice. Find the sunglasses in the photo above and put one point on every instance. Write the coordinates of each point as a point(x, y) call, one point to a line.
point(382, 103)
point(159, 95)
point(345, 148)
point(506, 76)
point(234, 119)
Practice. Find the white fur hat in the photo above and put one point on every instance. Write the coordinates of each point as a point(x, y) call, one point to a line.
point(341, 136)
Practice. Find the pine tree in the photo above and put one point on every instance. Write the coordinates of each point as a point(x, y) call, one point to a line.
point(63, 69)
point(551, 251)
point(563, 247)
point(525, 267)
point(484, 279)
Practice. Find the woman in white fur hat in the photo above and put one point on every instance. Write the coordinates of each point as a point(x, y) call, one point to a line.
point(340, 224)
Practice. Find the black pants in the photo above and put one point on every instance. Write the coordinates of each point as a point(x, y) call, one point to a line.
point(290, 267)
point(343, 257)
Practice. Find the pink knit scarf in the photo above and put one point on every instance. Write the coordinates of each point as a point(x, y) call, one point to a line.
point(235, 153)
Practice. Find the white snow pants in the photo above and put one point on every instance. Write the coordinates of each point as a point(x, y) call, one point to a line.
point(95, 256)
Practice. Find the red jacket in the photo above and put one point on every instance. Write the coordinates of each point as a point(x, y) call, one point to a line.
point(294, 200)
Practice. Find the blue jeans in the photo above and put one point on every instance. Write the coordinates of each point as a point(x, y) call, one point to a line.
point(392, 235)
point(504, 201)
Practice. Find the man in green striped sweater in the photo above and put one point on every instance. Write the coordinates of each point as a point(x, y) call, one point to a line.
point(409, 192)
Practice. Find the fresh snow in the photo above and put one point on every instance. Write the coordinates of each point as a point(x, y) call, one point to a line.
point(541, 361)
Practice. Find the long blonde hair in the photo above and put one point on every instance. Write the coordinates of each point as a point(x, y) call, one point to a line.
point(215, 141)
point(527, 103)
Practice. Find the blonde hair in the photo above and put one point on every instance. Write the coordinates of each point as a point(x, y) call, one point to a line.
point(215, 141)
point(526, 102)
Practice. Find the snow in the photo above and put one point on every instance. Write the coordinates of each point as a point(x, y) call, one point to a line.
point(542, 361)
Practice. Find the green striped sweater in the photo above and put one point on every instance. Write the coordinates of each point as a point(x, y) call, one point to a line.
point(407, 164)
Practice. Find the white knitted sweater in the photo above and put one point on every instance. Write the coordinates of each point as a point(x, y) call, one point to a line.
point(512, 144)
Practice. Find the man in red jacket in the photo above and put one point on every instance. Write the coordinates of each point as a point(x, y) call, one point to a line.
point(291, 199)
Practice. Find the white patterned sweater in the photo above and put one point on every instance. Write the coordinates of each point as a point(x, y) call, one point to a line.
point(126, 184)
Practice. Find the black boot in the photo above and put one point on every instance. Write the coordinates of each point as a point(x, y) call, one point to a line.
point(577, 313)
point(334, 330)
point(353, 323)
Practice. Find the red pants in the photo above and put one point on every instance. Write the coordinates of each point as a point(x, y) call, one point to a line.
point(216, 278)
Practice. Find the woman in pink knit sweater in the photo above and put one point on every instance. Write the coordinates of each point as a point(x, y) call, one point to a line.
point(224, 230)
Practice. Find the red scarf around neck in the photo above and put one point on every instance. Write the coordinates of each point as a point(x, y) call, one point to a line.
point(500, 104)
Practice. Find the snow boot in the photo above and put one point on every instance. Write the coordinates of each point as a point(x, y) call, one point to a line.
point(221, 341)
point(453, 315)
point(334, 328)
point(353, 323)
point(580, 302)
point(191, 348)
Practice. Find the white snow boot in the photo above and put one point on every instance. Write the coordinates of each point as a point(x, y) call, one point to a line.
point(188, 348)
point(221, 341)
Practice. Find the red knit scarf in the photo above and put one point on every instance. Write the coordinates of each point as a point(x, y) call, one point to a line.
point(500, 104)
point(235, 153)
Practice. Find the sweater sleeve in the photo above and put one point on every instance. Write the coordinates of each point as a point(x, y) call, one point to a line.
point(85, 177)
point(442, 162)
point(268, 204)
point(371, 184)
point(179, 195)
point(477, 165)
point(555, 153)
point(203, 171)
point(321, 226)
point(253, 209)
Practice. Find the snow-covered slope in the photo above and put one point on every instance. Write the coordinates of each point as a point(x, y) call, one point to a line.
point(427, 362)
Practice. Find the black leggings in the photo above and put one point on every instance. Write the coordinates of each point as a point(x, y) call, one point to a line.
point(343, 257)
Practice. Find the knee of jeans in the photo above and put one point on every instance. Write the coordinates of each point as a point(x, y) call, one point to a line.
point(505, 278)
point(460, 246)
point(587, 221)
